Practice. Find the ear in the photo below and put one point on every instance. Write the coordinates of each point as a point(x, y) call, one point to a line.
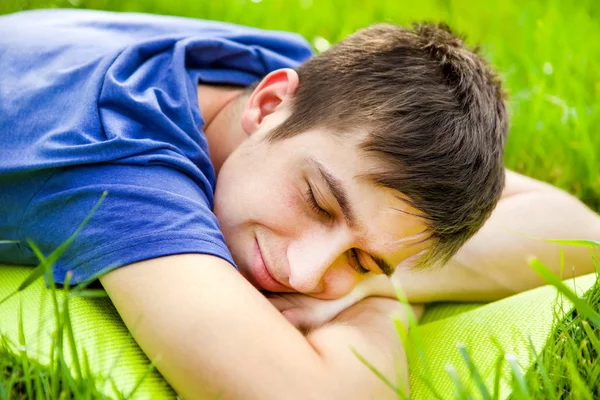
point(274, 91)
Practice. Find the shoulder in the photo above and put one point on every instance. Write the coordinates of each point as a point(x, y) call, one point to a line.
point(518, 184)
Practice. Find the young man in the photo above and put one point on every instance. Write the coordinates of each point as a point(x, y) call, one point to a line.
point(383, 152)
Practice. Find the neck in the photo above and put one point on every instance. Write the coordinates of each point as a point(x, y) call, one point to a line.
point(220, 107)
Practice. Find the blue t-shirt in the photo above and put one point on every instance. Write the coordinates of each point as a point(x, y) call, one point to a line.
point(96, 101)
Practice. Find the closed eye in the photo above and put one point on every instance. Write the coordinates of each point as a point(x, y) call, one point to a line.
point(355, 262)
point(314, 205)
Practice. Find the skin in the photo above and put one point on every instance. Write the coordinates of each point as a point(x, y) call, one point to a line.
point(305, 249)
point(195, 329)
point(308, 254)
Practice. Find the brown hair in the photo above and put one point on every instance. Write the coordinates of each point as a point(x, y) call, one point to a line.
point(435, 115)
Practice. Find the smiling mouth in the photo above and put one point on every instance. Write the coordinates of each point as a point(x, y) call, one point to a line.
point(261, 273)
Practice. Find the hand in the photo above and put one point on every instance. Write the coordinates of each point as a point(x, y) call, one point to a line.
point(391, 307)
point(307, 313)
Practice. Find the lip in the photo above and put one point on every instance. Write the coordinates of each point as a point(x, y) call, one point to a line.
point(261, 273)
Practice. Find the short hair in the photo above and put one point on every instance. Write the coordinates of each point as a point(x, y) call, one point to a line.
point(435, 116)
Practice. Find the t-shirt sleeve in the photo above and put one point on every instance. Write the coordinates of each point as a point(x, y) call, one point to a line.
point(150, 211)
point(112, 105)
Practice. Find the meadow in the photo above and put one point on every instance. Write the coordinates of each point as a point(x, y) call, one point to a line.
point(548, 55)
point(547, 52)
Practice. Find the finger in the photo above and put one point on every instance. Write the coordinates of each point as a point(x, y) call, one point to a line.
point(280, 302)
point(293, 316)
point(418, 310)
point(301, 320)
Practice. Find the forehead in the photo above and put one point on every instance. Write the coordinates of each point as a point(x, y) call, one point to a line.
point(386, 222)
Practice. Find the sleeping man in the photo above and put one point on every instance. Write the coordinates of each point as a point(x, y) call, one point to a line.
point(254, 189)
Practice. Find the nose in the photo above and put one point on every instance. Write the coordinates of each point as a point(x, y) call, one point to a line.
point(315, 255)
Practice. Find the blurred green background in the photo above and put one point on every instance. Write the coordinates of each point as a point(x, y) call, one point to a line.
point(548, 53)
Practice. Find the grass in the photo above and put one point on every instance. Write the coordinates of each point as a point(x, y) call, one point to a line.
point(546, 50)
point(22, 378)
point(566, 368)
point(547, 53)
point(68, 373)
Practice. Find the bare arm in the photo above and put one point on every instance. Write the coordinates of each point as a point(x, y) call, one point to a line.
point(211, 333)
point(494, 263)
point(368, 327)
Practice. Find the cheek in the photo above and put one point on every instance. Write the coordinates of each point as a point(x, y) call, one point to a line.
point(257, 196)
point(339, 283)
point(281, 209)
point(225, 190)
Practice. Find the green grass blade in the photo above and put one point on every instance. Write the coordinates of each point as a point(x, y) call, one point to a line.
point(40, 389)
point(33, 276)
point(383, 378)
point(68, 387)
point(581, 242)
point(459, 388)
point(51, 259)
point(402, 330)
point(88, 281)
point(517, 375)
point(90, 293)
point(38, 271)
point(591, 336)
point(582, 306)
point(47, 262)
point(547, 383)
point(24, 355)
point(5, 299)
point(71, 339)
point(151, 368)
point(485, 394)
point(498, 375)
point(578, 383)
point(430, 386)
point(412, 328)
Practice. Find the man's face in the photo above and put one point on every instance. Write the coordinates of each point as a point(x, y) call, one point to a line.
point(297, 217)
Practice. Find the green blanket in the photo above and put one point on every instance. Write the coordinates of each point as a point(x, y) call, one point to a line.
point(119, 363)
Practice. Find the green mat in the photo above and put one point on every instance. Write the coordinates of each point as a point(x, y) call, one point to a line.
point(113, 355)
point(119, 363)
point(513, 322)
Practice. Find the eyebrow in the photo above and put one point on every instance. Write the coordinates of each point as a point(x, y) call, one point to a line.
point(336, 187)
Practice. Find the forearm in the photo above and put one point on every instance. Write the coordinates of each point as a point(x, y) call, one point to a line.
point(502, 248)
point(213, 340)
point(494, 263)
point(228, 341)
point(368, 328)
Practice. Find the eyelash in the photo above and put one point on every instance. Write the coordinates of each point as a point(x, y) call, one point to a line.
point(314, 205)
point(312, 202)
point(355, 262)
